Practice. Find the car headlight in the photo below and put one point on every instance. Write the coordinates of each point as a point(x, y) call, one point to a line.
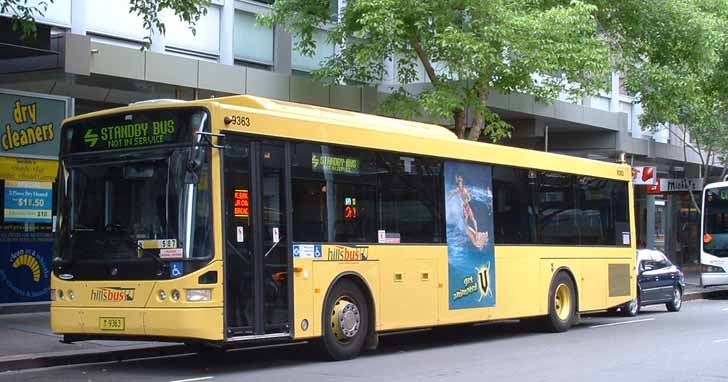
point(195, 295)
point(712, 269)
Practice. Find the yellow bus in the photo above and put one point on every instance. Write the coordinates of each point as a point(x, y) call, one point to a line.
point(238, 219)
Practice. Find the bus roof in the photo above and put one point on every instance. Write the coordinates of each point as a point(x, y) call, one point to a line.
point(365, 130)
point(321, 124)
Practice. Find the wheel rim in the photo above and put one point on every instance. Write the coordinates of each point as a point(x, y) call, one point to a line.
point(562, 302)
point(345, 319)
point(677, 298)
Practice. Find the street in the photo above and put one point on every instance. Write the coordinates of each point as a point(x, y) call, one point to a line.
point(691, 345)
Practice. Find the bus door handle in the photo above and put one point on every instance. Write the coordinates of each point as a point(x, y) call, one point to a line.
point(273, 247)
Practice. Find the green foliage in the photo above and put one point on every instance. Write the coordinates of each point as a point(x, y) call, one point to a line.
point(23, 15)
point(188, 11)
point(467, 48)
point(675, 57)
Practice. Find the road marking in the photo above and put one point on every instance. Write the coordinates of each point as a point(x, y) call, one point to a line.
point(725, 309)
point(193, 379)
point(622, 323)
point(719, 341)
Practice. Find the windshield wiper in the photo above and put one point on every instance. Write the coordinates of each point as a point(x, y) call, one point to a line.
point(141, 251)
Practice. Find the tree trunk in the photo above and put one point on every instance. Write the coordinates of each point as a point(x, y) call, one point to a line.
point(685, 166)
point(459, 117)
point(479, 119)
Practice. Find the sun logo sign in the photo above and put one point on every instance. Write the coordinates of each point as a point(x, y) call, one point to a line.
point(27, 260)
point(26, 276)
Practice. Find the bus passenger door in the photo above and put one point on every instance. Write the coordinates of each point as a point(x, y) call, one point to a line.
point(256, 238)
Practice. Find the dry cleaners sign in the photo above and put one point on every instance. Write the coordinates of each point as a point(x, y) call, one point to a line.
point(30, 124)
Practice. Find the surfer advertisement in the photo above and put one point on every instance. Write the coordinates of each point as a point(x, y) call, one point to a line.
point(469, 218)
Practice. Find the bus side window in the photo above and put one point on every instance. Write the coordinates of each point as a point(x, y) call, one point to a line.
point(513, 214)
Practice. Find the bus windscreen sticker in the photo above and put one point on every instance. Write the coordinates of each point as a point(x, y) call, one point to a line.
point(470, 249)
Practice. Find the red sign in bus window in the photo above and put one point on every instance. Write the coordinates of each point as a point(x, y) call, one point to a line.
point(242, 203)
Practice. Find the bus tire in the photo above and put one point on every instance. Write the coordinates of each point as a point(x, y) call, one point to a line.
point(345, 321)
point(631, 308)
point(562, 304)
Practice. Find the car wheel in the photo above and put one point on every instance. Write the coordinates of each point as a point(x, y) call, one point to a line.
point(676, 303)
point(631, 308)
point(346, 321)
point(562, 304)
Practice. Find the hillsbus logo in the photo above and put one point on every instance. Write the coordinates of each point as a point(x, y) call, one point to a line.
point(112, 294)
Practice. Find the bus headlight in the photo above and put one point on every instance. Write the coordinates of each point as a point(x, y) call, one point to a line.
point(175, 295)
point(199, 295)
point(712, 269)
point(60, 294)
point(71, 295)
point(162, 295)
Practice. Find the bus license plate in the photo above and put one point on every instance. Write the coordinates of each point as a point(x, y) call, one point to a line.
point(111, 323)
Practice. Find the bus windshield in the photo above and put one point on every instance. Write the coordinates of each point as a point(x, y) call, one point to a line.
point(715, 240)
point(143, 203)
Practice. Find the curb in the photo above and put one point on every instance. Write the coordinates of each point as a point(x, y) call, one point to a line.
point(29, 307)
point(706, 294)
point(32, 361)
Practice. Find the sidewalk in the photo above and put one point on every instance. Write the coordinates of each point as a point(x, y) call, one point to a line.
point(27, 341)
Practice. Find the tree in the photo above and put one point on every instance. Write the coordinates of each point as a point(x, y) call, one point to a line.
point(675, 59)
point(189, 11)
point(467, 48)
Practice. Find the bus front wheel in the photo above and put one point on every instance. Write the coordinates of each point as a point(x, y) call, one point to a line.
point(562, 304)
point(346, 321)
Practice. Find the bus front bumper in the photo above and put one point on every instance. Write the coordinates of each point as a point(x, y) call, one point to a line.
point(713, 279)
point(161, 323)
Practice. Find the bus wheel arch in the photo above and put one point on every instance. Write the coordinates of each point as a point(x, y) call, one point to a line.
point(358, 282)
point(563, 286)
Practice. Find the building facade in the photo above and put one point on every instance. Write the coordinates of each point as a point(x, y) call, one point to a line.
point(88, 56)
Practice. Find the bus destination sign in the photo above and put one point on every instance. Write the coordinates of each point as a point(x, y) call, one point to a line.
point(130, 130)
point(130, 135)
point(333, 163)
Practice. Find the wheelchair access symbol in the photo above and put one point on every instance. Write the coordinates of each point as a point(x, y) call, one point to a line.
point(177, 269)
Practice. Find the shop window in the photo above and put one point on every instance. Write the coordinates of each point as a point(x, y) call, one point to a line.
point(252, 42)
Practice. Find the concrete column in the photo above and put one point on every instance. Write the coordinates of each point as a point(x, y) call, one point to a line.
point(614, 101)
point(227, 21)
point(78, 17)
point(282, 43)
point(650, 223)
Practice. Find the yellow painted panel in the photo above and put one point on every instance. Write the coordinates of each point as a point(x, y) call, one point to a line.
point(326, 271)
point(188, 323)
point(593, 284)
point(39, 170)
point(303, 298)
point(203, 323)
point(74, 320)
point(410, 285)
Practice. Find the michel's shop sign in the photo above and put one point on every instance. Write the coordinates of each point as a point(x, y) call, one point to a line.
point(30, 125)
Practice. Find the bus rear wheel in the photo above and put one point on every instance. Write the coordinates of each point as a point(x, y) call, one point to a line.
point(562, 304)
point(345, 320)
